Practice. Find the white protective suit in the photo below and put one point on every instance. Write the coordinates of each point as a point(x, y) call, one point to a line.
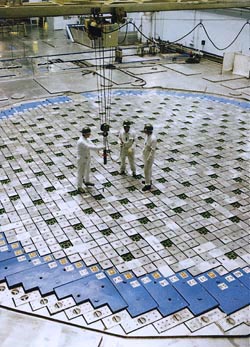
point(148, 157)
point(84, 146)
point(127, 142)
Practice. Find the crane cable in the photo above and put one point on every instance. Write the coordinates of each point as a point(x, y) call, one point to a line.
point(104, 90)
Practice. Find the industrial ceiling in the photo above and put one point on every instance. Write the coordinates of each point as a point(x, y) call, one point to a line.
point(21, 9)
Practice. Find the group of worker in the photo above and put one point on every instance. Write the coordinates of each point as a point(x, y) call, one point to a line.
point(127, 141)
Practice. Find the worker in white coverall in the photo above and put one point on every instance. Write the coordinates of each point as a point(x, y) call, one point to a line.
point(148, 155)
point(127, 143)
point(84, 146)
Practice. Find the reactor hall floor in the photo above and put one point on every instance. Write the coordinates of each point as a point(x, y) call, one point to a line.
point(116, 266)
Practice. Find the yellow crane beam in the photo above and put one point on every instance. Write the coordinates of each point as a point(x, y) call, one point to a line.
point(17, 9)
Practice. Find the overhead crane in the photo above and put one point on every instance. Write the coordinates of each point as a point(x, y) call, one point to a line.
point(18, 9)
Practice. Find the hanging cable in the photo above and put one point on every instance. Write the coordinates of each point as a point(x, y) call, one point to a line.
point(146, 37)
point(97, 60)
point(111, 55)
point(190, 32)
point(197, 25)
point(230, 44)
point(125, 36)
point(101, 91)
point(97, 27)
point(105, 92)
